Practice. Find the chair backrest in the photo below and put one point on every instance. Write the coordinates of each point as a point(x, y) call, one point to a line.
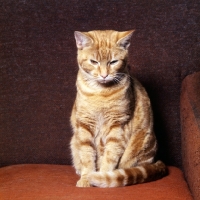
point(38, 69)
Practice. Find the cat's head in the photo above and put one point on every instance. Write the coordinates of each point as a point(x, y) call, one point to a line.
point(102, 55)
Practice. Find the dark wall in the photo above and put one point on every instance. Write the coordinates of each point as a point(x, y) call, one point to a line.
point(38, 69)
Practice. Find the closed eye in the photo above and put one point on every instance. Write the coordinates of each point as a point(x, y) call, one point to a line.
point(94, 62)
point(113, 62)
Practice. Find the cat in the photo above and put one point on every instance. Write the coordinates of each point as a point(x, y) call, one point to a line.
point(113, 142)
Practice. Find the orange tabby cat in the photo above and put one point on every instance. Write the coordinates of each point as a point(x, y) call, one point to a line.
point(113, 143)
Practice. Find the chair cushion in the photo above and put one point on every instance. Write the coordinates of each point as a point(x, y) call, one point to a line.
point(52, 182)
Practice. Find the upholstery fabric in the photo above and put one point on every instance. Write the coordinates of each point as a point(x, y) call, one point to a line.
point(38, 69)
point(57, 182)
point(190, 121)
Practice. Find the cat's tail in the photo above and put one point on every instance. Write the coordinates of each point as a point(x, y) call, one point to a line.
point(123, 177)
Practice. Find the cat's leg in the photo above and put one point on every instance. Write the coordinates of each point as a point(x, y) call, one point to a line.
point(75, 155)
point(141, 149)
point(84, 151)
point(141, 145)
point(114, 148)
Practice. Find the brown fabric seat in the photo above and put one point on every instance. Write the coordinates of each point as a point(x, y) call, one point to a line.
point(57, 182)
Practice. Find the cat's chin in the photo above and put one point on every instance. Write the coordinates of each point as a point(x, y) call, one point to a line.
point(106, 83)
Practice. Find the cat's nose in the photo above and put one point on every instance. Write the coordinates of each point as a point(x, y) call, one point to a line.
point(104, 75)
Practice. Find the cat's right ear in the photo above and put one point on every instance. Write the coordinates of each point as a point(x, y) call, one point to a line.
point(82, 40)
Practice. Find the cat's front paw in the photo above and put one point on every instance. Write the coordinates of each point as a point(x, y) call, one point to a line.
point(78, 172)
point(83, 182)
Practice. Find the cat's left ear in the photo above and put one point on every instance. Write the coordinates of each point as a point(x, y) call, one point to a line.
point(82, 40)
point(124, 41)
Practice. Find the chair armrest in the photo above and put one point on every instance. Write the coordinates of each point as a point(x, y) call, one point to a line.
point(190, 124)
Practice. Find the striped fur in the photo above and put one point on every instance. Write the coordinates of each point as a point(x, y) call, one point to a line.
point(130, 176)
point(113, 142)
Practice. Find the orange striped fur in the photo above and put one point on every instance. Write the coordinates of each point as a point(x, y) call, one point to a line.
point(113, 142)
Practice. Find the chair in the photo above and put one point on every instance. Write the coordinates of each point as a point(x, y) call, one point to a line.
point(38, 74)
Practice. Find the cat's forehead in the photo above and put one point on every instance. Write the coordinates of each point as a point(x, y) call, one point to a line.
point(104, 37)
point(104, 41)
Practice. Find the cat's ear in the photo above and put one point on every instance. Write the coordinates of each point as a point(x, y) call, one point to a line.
point(82, 40)
point(125, 38)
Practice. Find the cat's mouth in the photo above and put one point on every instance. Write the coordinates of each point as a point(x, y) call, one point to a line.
point(111, 80)
point(107, 83)
point(105, 80)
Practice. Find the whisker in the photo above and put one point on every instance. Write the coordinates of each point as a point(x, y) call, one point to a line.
point(116, 80)
point(127, 75)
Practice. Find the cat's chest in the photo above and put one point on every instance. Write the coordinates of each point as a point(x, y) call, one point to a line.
point(101, 102)
point(103, 110)
point(105, 113)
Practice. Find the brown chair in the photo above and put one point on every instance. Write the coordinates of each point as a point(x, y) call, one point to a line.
point(37, 83)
